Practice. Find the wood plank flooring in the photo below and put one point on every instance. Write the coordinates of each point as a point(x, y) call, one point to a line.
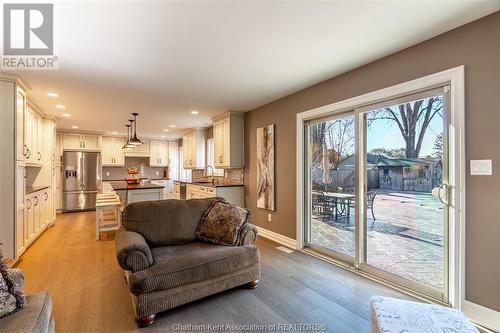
point(89, 292)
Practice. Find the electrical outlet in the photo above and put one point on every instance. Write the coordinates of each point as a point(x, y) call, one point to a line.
point(269, 217)
point(108, 173)
point(157, 173)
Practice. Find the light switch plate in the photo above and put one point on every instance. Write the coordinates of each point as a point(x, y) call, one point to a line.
point(481, 168)
point(269, 217)
point(108, 173)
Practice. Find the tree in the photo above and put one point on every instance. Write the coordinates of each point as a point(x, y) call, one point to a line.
point(438, 146)
point(413, 119)
point(337, 135)
point(394, 153)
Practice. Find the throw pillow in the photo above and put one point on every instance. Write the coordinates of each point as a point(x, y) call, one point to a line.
point(11, 299)
point(221, 224)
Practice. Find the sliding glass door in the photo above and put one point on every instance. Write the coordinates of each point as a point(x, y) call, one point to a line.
point(377, 190)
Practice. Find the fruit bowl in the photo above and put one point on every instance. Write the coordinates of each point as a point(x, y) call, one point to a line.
point(132, 181)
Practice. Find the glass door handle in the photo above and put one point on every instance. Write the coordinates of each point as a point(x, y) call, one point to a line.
point(444, 187)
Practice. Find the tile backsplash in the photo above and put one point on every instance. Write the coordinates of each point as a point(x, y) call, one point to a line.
point(231, 176)
point(119, 173)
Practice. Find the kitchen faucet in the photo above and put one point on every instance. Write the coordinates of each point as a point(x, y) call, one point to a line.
point(206, 172)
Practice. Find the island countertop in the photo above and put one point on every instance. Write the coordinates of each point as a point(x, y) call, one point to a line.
point(208, 184)
point(123, 186)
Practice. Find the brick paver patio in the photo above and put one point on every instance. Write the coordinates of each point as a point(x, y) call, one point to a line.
point(406, 239)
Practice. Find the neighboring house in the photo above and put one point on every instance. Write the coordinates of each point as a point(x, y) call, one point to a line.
point(400, 174)
point(409, 174)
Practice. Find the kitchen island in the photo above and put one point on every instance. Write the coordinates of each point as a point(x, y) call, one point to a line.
point(233, 193)
point(130, 193)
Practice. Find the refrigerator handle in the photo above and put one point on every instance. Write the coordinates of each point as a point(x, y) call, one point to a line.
point(82, 177)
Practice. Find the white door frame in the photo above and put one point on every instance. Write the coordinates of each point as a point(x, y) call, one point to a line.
point(455, 78)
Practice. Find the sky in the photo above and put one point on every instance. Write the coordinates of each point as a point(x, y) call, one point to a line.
point(386, 134)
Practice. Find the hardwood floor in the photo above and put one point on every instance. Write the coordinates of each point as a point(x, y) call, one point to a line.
point(89, 292)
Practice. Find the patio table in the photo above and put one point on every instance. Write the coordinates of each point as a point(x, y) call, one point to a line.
point(339, 201)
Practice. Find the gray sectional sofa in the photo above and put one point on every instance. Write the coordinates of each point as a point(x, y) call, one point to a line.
point(164, 264)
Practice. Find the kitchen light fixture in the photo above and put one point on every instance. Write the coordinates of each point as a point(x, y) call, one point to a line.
point(74, 126)
point(163, 136)
point(166, 130)
point(135, 140)
point(173, 126)
point(194, 112)
point(129, 135)
point(114, 133)
point(60, 106)
point(52, 94)
point(67, 115)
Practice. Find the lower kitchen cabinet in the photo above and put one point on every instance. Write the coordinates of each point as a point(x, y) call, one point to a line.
point(232, 194)
point(35, 217)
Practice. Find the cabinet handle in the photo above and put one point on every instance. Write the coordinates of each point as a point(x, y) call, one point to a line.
point(29, 202)
point(28, 154)
point(220, 159)
point(26, 150)
point(46, 196)
point(25, 173)
point(39, 156)
point(35, 204)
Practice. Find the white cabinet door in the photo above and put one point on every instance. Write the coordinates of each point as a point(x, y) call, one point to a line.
point(37, 204)
point(20, 119)
point(154, 159)
point(107, 151)
point(30, 221)
point(163, 152)
point(119, 153)
point(72, 141)
point(173, 160)
point(218, 144)
point(41, 140)
point(226, 143)
point(20, 209)
point(90, 142)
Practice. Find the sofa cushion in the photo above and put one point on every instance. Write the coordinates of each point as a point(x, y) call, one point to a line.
point(166, 222)
point(221, 224)
point(190, 263)
point(35, 317)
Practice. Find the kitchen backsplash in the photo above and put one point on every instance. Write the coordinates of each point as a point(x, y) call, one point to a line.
point(115, 173)
point(231, 176)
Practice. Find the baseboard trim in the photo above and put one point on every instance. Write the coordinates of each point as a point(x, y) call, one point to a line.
point(278, 238)
point(482, 315)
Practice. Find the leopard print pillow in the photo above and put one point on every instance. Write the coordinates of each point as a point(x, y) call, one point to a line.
point(221, 224)
point(11, 299)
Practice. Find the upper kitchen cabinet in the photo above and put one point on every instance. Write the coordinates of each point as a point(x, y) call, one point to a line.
point(193, 149)
point(77, 141)
point(34, 133)
point(173, 160)
point(229, 141)
point(139, 151)
point(158, 153)
point(112, 151)
point(21, 148)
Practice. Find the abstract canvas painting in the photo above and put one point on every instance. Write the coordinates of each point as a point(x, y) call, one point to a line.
point(265, 167)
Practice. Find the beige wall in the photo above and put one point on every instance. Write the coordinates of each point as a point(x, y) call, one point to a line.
point(477, 46)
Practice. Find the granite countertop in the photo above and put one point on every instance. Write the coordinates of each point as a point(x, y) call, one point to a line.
point(122, 185)
point(208, 184)
point(33, 189)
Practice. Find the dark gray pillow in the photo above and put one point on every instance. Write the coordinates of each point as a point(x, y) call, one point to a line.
point(221, 224)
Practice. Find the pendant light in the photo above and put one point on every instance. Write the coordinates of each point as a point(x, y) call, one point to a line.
point(127, 144)
point(135, 140)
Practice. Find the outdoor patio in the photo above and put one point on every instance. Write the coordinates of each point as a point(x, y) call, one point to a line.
point(405, 239)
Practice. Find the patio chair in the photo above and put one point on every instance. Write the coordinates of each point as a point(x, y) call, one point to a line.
point(370, 198)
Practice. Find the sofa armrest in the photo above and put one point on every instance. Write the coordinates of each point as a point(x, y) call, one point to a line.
point(248, 234)
point(132, 251)
point(17, 276)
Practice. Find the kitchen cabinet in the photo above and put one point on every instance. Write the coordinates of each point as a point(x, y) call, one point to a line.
point(232, 194)
point(21, 148)
point(229, 141)
point(168, 187)
point(112, 151)
point(20, 208)
point(158, 153)
point(173, 160)
point(38, 215)
point(139, 151)
point(194, 147)
point(79, 141)
point(34, 129)
point(177, 190)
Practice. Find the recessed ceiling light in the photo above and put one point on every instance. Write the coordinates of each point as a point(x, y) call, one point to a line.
point(166, 130)
point(164, 136)
point(52, 94)
point(172, 126)
point(114, 132)
point(60, 106)
point(67, 115)
point(74, 126)
point(194, 112)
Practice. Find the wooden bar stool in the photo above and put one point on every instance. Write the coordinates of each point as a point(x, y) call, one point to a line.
point(107, 213)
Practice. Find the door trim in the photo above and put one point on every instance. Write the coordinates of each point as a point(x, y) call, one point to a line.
point(455, 78)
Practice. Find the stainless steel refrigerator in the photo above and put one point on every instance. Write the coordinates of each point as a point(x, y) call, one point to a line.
point(81, 180)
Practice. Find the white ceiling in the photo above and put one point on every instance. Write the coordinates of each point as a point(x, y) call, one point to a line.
point(164, 59)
